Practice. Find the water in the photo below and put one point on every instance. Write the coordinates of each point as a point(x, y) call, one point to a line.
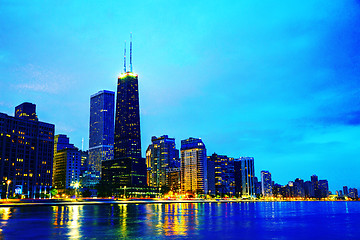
point(261, 220)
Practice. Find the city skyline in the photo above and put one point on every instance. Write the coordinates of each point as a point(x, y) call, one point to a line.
point(243, 95)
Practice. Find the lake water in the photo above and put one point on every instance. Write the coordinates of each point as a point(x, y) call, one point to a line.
point(259, 220)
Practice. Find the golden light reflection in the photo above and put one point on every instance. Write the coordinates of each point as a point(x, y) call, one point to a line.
point(123, 220)
point(5, 213)
point(74, 217)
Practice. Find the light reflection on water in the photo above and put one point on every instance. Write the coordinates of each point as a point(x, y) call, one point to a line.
point(269, 220)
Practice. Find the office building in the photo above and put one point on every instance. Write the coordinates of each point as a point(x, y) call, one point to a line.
point(127, 168)
point(346, 190)
point(266, 187)
point(101, 135)
point(193, 166)
point(244, 177)
point(224, 174)
point(67, 164)
point(161, 158)
point(26, 153)
point(323, 188)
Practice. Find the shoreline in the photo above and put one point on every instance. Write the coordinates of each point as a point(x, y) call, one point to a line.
point(33, 203)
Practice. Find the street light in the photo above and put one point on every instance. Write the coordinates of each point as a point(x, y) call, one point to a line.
point(7, 189)
point(124, 191)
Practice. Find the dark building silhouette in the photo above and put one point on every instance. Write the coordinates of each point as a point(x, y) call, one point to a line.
point(211, 176)
point(26, 152)
point(224, 174)
point(244, 177)
point(26, 111)
point(323, 188)
point(346, 190)
point(101, 136)
point(127, 168)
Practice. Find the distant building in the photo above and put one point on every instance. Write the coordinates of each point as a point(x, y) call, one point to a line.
point(224, 174)
point(323, 188)
point(244, 177)
point(315, 184)
point(346, 191)
point(101, 136)
point(257, 185)
point(211, 176)
point(309, 189)
point(26, 152)
point(266, 187)
point(161, 158)
point(299, 188)
point(353, 193)
point(67, 164)
point(193, 166)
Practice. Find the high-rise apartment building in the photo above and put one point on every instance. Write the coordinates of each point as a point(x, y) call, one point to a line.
point(266, 187)
point(67, 164)
point(26, 153)
point(244, 177)
point(162, 158)
point(224, 174)
point(101, 136)
point(193, 166)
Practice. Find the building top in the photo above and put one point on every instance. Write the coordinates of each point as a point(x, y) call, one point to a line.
point(102, 92)
point(163, 137)
point(192, 143)
point(127, 74)
point(26, 111)
point(244, 158)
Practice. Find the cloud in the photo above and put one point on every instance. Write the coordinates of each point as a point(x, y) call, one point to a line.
point(39, 79)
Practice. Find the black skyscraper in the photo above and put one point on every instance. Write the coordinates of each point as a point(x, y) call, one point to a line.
point(128, 167)
point(127, 119)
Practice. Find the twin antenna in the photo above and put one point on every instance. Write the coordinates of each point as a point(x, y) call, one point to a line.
point(130, 54)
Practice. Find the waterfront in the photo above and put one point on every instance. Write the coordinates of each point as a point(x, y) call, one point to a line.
point(245, 220)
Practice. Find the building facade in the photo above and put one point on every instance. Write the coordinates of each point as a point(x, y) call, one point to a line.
point(266, 186)
point(26, 153)
point(161, 159)
point(127, 168)
point(224, 174)
point(101, 136)
point(193, 166)
point(244, 177)
point(67, 164)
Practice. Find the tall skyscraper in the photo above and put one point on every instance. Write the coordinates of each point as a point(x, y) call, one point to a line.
point(67, 164)
point(26, 152)
point(101, 137)
point(128, 167)
point(266, 188)
point(162, 158)
point(244, 177)
point(193, 166)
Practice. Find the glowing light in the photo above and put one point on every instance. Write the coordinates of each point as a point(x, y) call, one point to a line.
point(123, 75)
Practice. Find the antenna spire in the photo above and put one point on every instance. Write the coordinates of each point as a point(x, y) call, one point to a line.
point(130, 52)
point(125, 58)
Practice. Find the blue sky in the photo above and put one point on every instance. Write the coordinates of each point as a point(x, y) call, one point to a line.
point(273, 80)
